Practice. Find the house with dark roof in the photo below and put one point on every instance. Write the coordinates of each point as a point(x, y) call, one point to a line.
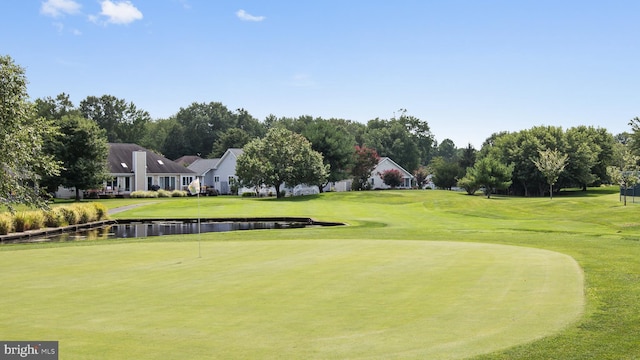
point(136, 168)
point(133, 168)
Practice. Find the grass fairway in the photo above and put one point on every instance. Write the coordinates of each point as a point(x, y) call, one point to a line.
point(416, 274)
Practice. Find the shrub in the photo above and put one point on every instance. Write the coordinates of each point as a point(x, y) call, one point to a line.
point(178, 193)
point(6, 223)
point(164, 193)
point(144, 194)
point(248, 194)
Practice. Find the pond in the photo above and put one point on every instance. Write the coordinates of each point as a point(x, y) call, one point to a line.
point(147, 228)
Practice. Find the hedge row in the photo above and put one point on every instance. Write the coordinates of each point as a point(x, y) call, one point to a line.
point(55, 217)
point(159, 193)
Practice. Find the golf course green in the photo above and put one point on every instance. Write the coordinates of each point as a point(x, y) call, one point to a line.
point(413, 275)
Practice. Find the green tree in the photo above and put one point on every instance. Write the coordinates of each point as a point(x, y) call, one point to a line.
point(365, 159)
point(231, 138)
point(445, 173)
point(334, 143)
point(204, 122)
point(491, 174)
point(22, 134)
point(551, 164)
point(281, 157)
point(392, 139)
point(156, 133)
point(54, 109)
point(447, 150)
point(82, 148)
point(467, 157)
point(625, 172)
point(123, 122)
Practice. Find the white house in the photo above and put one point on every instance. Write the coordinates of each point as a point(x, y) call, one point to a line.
point(385, 164)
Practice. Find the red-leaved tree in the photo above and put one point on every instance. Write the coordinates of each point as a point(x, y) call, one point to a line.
point(364, 161)
point(392, 177)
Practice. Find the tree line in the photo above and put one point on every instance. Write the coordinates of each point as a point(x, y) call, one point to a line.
point(68, 144)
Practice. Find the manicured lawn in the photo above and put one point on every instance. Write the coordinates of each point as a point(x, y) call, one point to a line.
point(415, 274)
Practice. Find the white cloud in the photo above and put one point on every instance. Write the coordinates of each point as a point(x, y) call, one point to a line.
point(243, 15)
point(55, 8)
point(123, 12)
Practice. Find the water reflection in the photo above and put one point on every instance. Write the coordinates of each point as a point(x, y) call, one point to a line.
point(147, 229)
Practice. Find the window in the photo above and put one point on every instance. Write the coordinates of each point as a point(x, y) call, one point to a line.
point(186, 180)
point(112, 184)
point(149, 182)
point(167, 182)
point(216, 179)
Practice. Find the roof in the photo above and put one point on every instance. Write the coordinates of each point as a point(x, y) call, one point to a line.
point(202, 166)
point(121, 161)
point(187, 160)
point(406, 173)
point(235, 151)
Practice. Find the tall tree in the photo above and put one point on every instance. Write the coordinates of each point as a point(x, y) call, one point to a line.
point(420, 132)
point(123, 122)
point(54, 109)
point(22, 135)
point(467, 157)
point(447, 150)
point(392, 139)
point(204, 122)
point(83, 150)
point(231, 138)
point(334, 143)
point(281, 157)
point(551, 164)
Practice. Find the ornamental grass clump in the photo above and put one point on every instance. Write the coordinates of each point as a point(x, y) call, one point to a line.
point(164, 193)
point(178, 193)
point(28, 220)
point(6, 223)
point(144, 194)
point(71, 215)
point(54, 218)
point(101, 211)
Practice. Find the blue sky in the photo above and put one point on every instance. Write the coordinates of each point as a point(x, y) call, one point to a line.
point(469, 68)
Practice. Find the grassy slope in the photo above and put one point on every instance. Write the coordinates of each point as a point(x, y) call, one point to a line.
point(595, 230)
